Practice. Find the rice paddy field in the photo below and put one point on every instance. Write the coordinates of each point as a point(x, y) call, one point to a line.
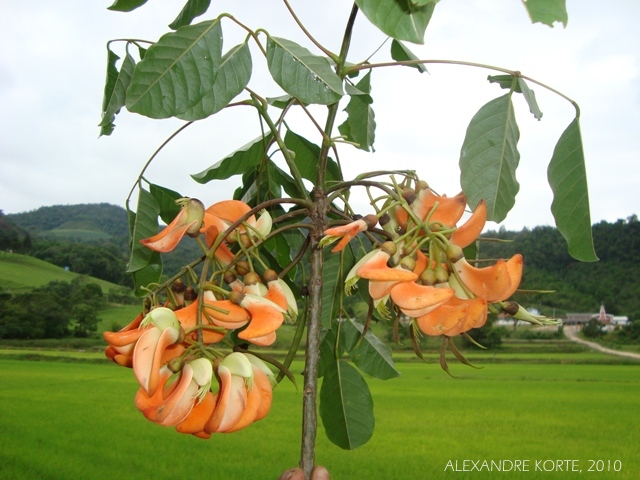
point(66, 420)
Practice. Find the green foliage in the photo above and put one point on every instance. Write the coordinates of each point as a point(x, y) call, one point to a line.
point(47, 311)
point(103, 217)
point(547, 11)
point(12, 237)
point(346, 406)
point(104, 261)
point(593, 329)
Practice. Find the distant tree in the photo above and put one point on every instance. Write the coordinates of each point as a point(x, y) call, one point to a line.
point(85, 320)
point(12, 237)
point(593, 329)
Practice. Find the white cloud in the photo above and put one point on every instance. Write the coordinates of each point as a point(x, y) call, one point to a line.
point(52, 57)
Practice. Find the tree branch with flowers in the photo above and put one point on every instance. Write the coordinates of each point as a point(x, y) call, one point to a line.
point(197, 346)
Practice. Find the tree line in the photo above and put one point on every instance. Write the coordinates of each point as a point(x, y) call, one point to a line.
point(56, 310)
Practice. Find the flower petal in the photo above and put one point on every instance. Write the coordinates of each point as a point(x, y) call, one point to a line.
point(469, 231)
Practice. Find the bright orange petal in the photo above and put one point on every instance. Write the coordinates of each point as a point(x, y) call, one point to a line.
point(262, 383)
point(490, 282)
point(200, 414)
point(230, 402)
point(147, 356)
point(475, 318)
point(442, 319)
point(169, 237)
point(412, 296)
point(230, 211)
point(264, 340)
point(376, 269)
point(250, 412)
point(448, 211)
point(514, 267)
point(468, 232)
point(266, 317)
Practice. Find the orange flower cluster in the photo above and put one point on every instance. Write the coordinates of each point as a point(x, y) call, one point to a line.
point(176, 389)
point(172, 351)
point(422, 270)
point(193, 219)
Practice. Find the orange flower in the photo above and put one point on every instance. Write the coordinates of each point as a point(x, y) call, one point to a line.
point(347, 232)
point(416, 300)
point(149, 351)
point(439, 209)
point(494, 283)
point(266, 316)
point(171, 405)
point(187, 222)
point(454, 317)
point(469, 231)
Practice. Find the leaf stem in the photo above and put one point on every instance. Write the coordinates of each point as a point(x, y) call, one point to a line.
point(409, 63)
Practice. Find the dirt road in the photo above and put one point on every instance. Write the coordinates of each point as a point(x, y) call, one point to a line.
point(572, 334)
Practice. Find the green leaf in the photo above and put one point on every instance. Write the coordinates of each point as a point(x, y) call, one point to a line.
point(232, 76)
point(115, 91)
point(279, 102)
point(327, 350)
point(301, 74)
point(570, 207)
point(508, 82)
point(166, 201)
point(145, 225)
point(346, 406)
point(360, 125)
point(489, 158)
point(306, 158)
point(126, 5)
point(420, 3)
point(400, 53)
point(334, 271)
point(547, 11)
point(530, 97)
point(242, 160)
point(287, 183)
point(191, 10)
point(147, 275)
point(109, 87)
point(400, 19)
point(517, 84)
point(369, 353)
point(177, 71)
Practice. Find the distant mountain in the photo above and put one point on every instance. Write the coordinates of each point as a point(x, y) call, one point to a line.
point(82, 222)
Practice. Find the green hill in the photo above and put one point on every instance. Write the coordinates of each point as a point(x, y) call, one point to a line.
point(21, 273)
point(82, 221)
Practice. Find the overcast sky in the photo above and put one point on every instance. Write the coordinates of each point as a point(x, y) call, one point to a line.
point(52, 71)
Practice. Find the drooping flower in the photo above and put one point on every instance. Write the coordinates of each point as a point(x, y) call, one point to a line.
point(235, 373)
point(149, 351)
point(171, 404)
point(187, 222)
point(347, 232)
point(469, 231)
point(266, 316)
point(494, 283)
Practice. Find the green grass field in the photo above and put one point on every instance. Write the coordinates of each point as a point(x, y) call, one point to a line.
point(21, 273)
point(75, 420)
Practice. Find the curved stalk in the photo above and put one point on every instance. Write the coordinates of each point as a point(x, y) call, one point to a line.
point(515, 73)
